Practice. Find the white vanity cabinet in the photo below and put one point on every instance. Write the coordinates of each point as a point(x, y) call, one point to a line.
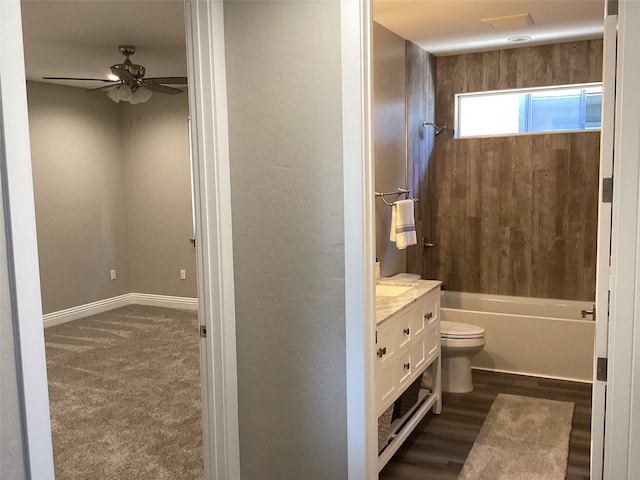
point(407, 344)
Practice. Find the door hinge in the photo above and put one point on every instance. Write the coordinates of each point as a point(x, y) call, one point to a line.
point(601, 369)
point(203, 331)
point(607, 190)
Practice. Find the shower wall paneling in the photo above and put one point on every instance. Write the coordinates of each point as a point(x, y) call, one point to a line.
point(420, 108)
point(514, 215)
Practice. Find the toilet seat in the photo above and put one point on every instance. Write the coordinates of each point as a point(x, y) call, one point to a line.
point(455, 330)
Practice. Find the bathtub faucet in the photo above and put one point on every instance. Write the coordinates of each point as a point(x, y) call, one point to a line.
point(584, 313)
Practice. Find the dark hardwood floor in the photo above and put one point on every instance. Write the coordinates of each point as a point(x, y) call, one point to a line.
point(438, 447)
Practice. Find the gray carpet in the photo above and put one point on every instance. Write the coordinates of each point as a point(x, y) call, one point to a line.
point(124, 390)
point(522, 438)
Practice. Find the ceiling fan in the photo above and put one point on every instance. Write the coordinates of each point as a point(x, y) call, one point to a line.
point(127, 82)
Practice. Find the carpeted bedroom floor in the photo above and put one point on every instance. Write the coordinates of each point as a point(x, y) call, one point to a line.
point(124, 390)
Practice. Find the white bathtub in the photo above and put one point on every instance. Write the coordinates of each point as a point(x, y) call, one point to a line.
point(528, 336)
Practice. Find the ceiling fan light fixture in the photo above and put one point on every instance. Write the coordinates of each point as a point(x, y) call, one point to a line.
point(140, 95)
point(112, 93)
point(124, 92)
point(113, 77)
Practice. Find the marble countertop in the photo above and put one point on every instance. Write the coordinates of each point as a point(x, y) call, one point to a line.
point(387, 306)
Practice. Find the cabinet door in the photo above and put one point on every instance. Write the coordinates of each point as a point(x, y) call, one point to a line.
point(418, 354)
point(385, 374)
point(403, 369)
point(431, 343)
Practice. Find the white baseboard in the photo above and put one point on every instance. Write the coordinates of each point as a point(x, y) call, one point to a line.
point(73, 313)
point(182, 303)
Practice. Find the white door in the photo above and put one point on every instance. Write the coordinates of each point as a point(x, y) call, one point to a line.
point(622, 436)
point(601, 312)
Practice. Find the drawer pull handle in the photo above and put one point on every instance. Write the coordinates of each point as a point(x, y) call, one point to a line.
point(382, 352)
point(406, 331)
point(407, 366)
point(428, 316)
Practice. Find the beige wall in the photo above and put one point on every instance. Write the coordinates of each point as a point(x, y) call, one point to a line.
point(80, 196)
point(389, 145)
point(156, 148)
point(285, 129)
point(106, 199)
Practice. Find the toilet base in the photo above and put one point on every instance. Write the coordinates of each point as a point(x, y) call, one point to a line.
point(456, 374)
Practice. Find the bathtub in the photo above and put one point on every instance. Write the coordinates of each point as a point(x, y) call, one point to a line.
point(527, 336)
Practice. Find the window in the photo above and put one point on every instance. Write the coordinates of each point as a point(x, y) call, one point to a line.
point(566, 108)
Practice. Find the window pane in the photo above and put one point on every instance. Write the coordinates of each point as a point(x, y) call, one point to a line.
point(489, 115)
point(593, 117)
point(553, 113)
point(512, 112)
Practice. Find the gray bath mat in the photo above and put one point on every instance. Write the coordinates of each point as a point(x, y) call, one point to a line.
point(522, 438)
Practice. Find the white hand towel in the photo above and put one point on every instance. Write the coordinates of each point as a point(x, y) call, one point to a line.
point(403, 224)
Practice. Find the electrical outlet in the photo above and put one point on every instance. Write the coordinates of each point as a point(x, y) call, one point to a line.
point(113, 274)
point(183, 274)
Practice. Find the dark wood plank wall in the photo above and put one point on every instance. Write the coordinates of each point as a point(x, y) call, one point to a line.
point(420, 108)
point(513, 215)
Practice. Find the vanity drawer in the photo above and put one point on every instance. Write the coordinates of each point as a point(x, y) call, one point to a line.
point(425, 315)
point(404, 330)
point(430, 310)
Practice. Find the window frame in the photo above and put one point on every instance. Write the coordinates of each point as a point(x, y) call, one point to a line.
point(520, 91)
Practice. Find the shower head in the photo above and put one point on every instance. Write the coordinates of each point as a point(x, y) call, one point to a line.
point(437, 128)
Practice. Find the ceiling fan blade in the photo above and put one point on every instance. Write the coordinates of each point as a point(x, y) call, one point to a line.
point(156, 87)
point(120, 73)
point(76, 78)
point(106, 87)
point(169, 80)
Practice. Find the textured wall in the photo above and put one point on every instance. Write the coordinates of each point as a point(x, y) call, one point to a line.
point(156, 149)
point(389, 144)
point(285, 126)
point(112, 191)
point(80, 196)
point(516, 215)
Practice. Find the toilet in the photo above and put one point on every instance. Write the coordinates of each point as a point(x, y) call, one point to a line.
point(459, 342)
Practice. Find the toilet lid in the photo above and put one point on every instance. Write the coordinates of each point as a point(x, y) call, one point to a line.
point(460, 330)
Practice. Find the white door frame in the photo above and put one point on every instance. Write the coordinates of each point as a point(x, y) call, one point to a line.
point(216, 298)
point(622, 440)
point(601, 313)
point(359, 234)
point(22, 255)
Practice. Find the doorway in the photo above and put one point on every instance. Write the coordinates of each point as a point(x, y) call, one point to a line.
point(114, 215)
point(455, 176)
